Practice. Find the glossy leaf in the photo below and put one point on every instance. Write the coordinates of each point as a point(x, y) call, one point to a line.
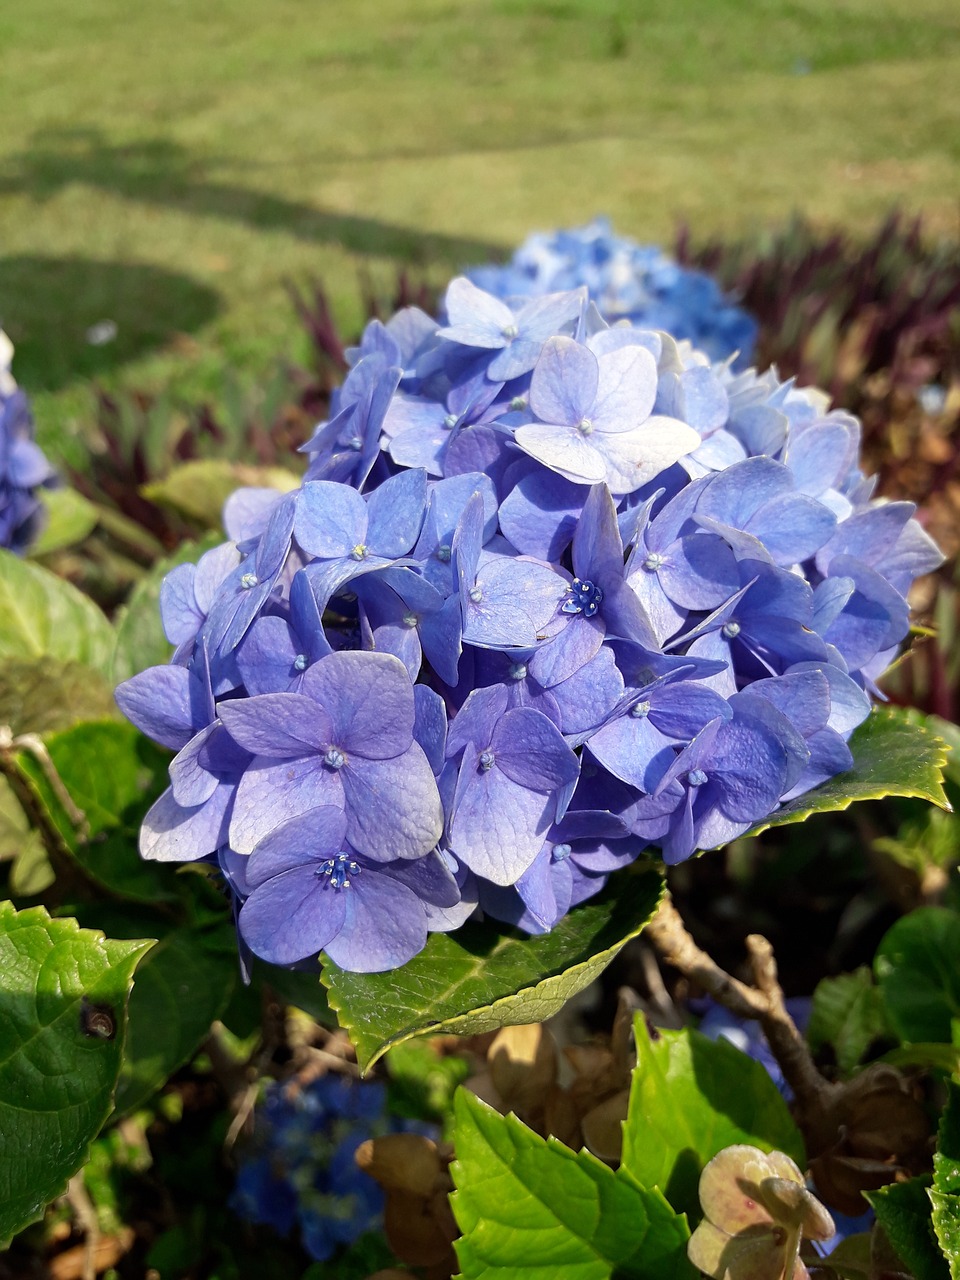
point(918, 969)
point(894, 754)
point(945, 1193)
point(140, 642)
point(532, 1208)
point(41, 616)
point(691, 1097)
point(486, 976)
point(63, 996)
point(903, 1210)
point(847, 1014)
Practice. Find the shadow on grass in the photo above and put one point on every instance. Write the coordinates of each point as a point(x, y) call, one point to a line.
point(52, 308)
point(161, 172)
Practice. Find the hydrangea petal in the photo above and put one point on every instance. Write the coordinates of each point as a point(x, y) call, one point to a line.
point(271, 792)
point(292, 916)
point(369, 700)
point(393, 806)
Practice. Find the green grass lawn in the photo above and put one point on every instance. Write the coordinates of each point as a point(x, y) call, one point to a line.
point(168, 165)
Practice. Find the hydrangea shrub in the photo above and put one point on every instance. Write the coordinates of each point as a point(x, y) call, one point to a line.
point(627, 281)
point(552, 593)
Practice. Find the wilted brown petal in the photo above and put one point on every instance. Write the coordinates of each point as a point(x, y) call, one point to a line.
point(401, 1161)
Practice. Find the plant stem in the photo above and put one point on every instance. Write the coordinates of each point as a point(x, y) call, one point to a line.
point(763, 1002)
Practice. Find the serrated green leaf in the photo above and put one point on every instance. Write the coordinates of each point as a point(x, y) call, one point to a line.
point(57, 1076)
point(198, 489)
point(917, 966)
point(140, 642)
point(848, 1013)
point(894, 754)
point(69, 518)
point(41, 616)
point(531, 1209)
point(40, 695)
point(903, 1210)
point(112, 773)
point(689, 1098)
point(487, 976)
point(950, 733)
point(945, 1194)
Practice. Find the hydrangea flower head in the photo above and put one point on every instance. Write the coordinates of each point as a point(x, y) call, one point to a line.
point(552, 593)
point(299, 1170)
point(23, 468)
point(627, 281)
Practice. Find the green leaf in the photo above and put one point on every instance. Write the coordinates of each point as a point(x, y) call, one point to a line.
point(940, 1057)
point(70, 517)
point(140, 642)
point(39, 695)
point(423, 1079)
point(183, 985)
point(945, 1194)
point(848, 1013)
point(894, 754)
point(112, 773)
point(918, 970)
point(41, 616)
point(57, 1074)
point(903, 1210)
point(198, 489)
point(487, 976)
point(690, 1097)
point(531, 1209)
point(298, 988)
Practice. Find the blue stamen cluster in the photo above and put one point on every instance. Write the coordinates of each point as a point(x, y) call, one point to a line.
point(651, 634)
point(300, 1172)
point(23, 468)
point(638, 283)
point(583, 597)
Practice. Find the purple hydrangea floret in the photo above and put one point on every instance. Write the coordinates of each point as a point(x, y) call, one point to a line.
point(552, 593)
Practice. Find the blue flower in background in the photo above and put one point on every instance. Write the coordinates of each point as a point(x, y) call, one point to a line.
point(301, 1172)
point(627, 281)
point(23, 467)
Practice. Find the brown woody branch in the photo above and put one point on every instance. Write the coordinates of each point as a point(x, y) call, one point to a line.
point(763, 1002)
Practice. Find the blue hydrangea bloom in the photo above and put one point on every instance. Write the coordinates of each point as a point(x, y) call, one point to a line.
point(627, 281)
point(551, 593)
point(23, 467)
point(299, 1170)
